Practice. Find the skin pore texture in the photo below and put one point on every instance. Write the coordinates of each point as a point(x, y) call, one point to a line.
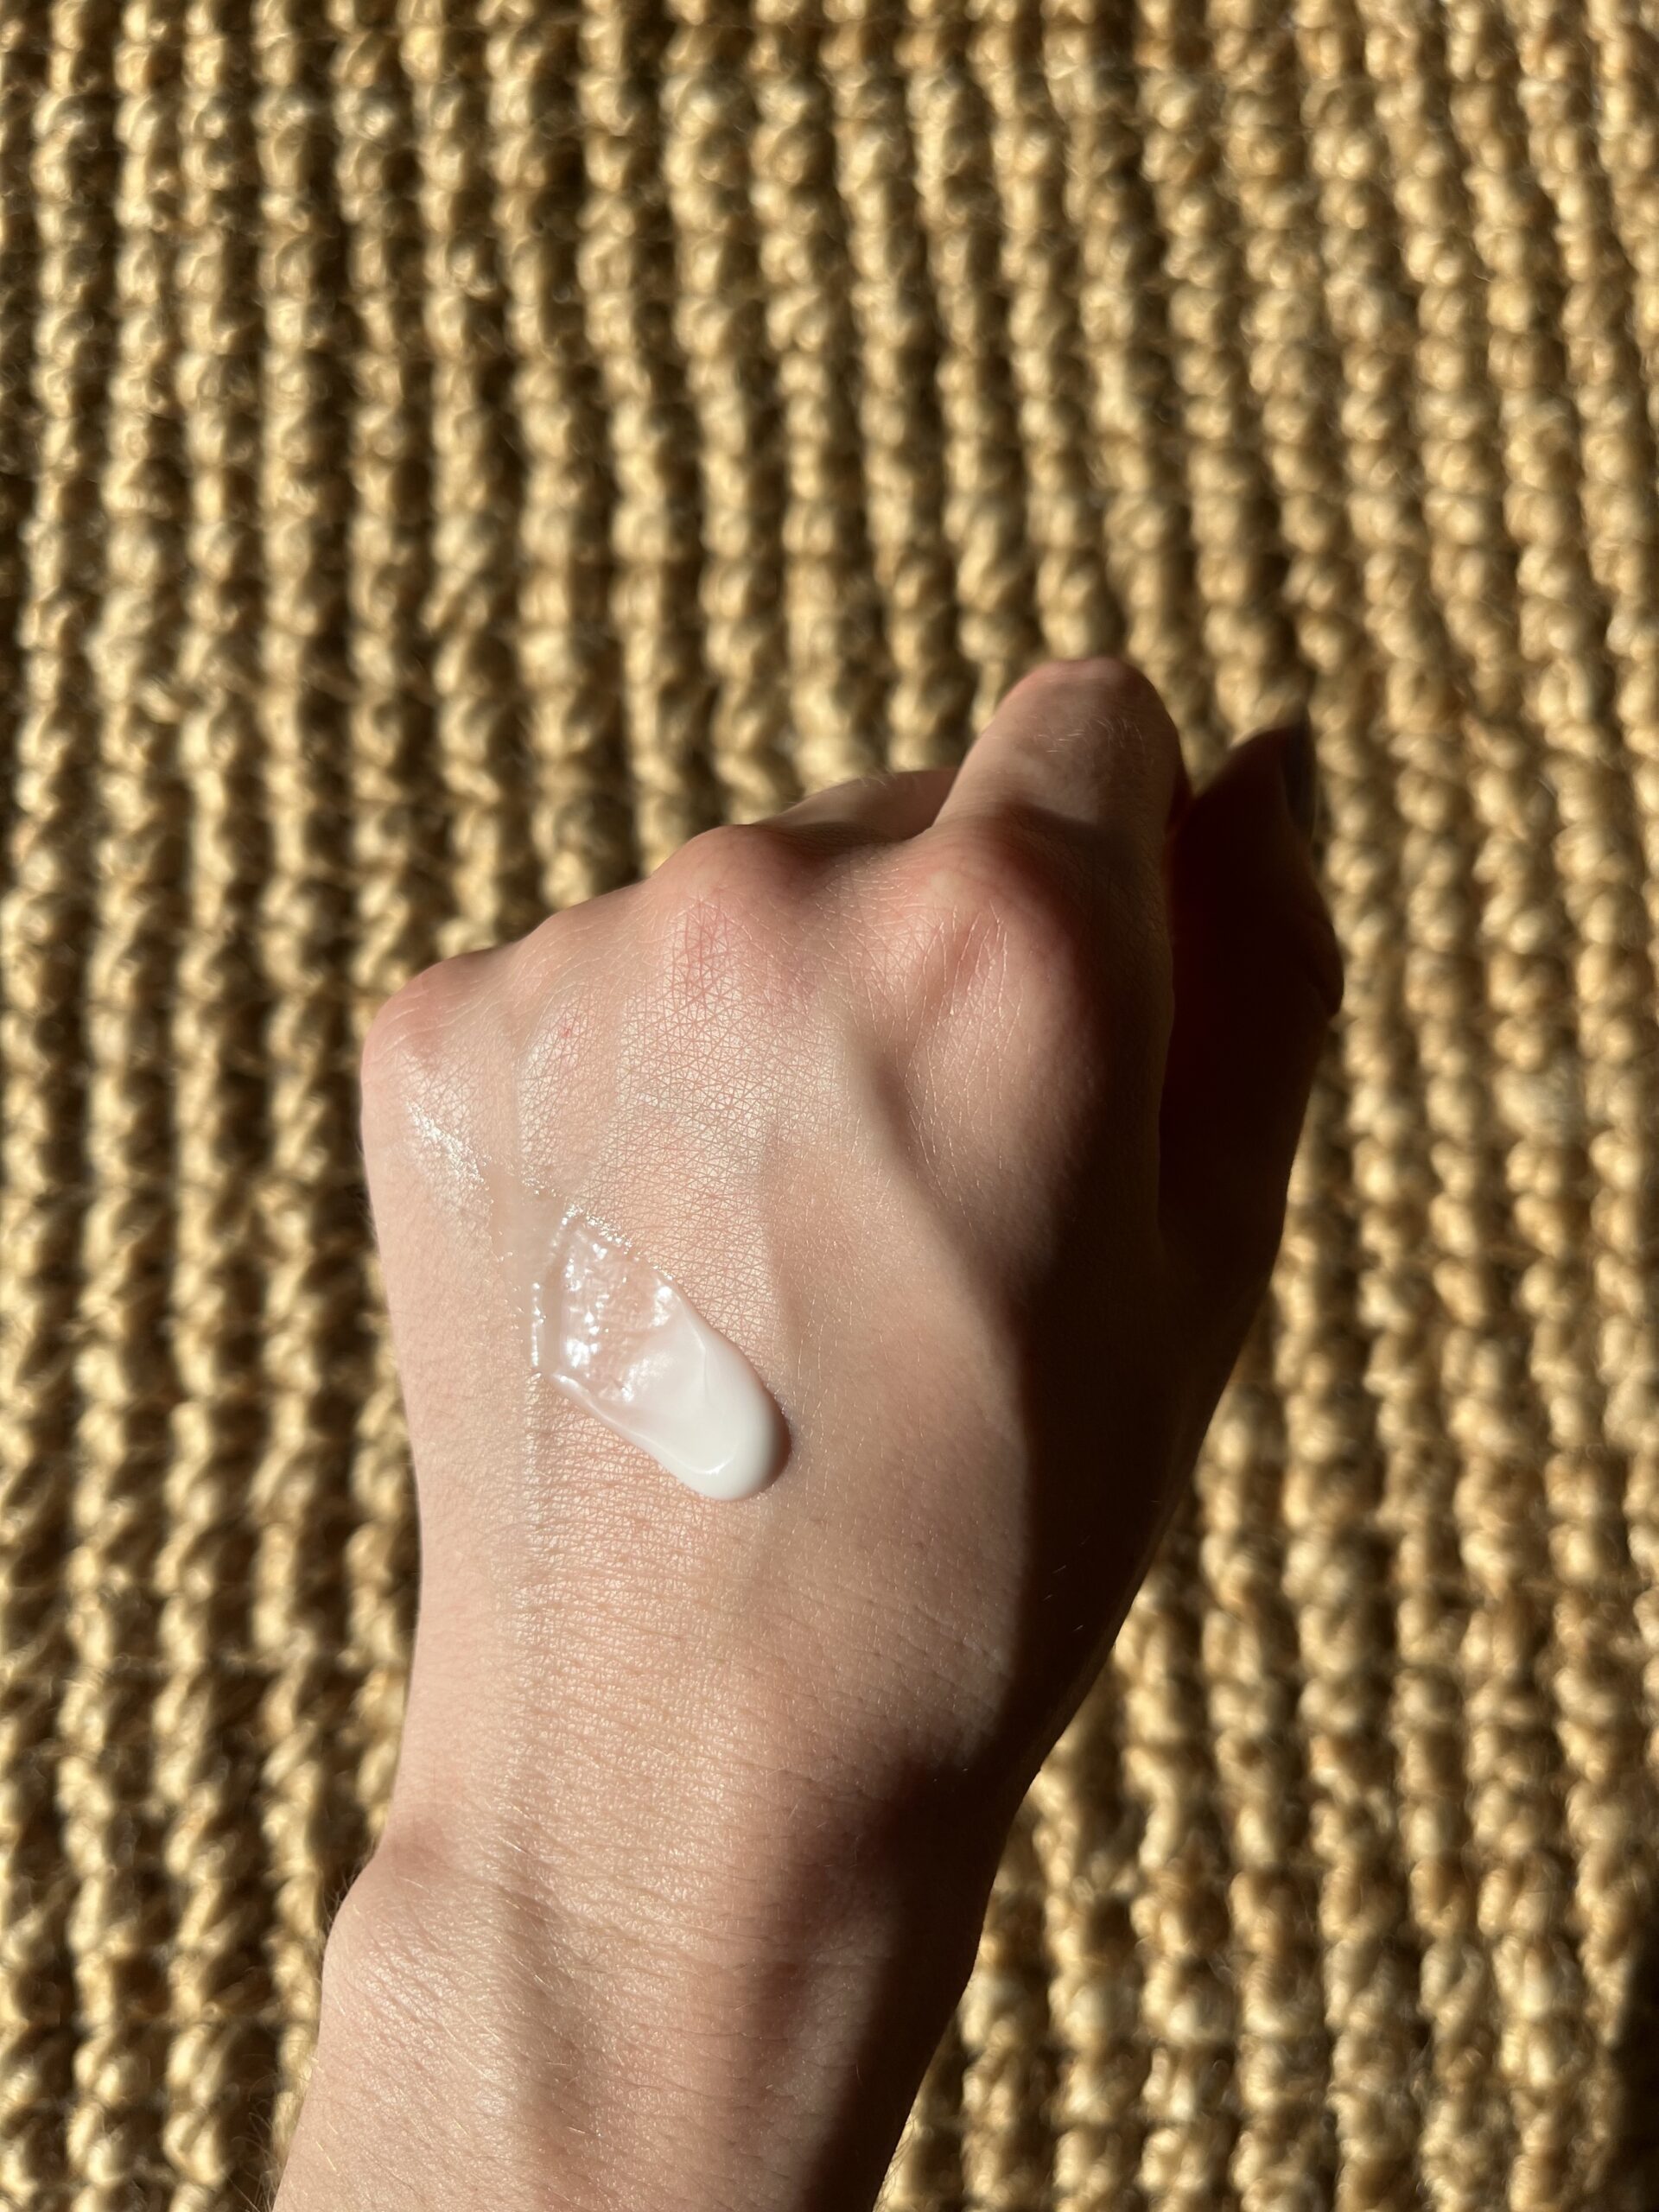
point(959, 1108)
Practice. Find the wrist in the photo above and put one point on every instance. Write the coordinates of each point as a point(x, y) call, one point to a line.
point(752, 2030)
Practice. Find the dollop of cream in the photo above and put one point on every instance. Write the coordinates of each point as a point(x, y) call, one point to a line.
point(609, 1330)
point(614, 1334)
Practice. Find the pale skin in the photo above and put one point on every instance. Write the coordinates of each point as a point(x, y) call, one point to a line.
point(965, 1105)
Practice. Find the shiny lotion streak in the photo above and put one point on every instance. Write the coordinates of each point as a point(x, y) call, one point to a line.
point(616, 1335)
point(612, 1333)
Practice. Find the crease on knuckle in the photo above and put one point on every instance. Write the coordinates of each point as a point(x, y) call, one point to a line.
point(726, 947)
point(1034, 905)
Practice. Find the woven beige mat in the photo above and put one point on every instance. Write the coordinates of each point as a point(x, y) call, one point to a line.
point(450, 450)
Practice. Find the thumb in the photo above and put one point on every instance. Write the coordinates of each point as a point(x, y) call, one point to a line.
point(1258, 979)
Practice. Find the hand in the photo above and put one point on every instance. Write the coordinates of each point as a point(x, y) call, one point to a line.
point(964, 1105)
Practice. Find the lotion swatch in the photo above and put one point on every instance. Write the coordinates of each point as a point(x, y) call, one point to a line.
point(612, 1333)
point(615, 1335)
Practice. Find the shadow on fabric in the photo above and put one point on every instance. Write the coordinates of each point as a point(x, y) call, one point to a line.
point(1634, 2159)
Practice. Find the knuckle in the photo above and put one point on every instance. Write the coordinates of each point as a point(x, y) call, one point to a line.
point(410, 1040)
point(1001, 864)
point(727, 904)
point(528, 971)
point(409, 1026)
point(996, 932)
point(1063, 922)
point(745, 867)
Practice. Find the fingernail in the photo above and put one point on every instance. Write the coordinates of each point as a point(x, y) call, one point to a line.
point(1300, 772)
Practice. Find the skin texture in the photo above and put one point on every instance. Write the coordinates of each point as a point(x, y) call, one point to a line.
point(965, 1106)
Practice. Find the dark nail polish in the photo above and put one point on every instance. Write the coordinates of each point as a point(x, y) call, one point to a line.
point(1300, 772)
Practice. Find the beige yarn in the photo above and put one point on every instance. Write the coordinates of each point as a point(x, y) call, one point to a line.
point(451, 451)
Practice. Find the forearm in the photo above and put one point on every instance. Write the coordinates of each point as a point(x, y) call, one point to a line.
point(758, 2043)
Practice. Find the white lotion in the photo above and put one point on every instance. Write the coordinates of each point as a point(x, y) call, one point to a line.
point(612, 1332)
point(615, 1335)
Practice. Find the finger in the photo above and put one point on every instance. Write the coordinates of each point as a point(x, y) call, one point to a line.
point(1258, 979)
point(883, 807)
point(1086, 742)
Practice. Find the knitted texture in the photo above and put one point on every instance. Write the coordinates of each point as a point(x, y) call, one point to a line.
point(452, 450)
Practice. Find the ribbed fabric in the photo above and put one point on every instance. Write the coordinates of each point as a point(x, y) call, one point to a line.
point(452, 450)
